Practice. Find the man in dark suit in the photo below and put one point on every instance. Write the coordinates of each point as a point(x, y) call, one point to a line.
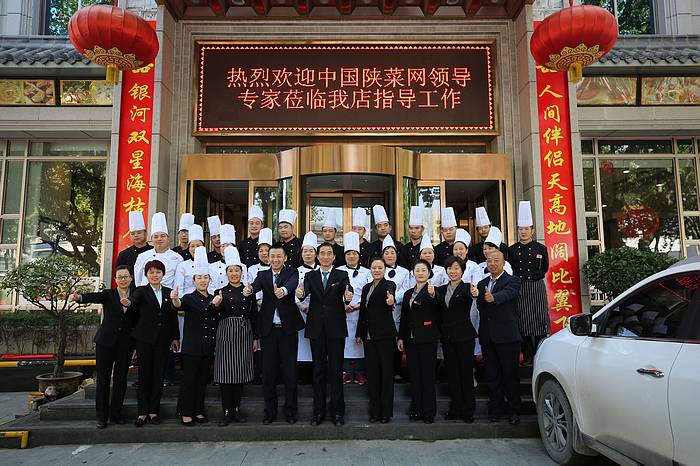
point(497, 301)
point(326, 327)
point(278, 323)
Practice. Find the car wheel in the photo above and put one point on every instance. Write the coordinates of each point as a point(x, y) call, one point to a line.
point(556, 422)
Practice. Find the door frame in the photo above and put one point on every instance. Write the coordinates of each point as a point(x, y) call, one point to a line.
point(346, 204)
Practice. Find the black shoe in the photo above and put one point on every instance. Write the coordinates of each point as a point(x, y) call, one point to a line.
point(291, 418)
point(101, 424)
point(140, 422)
point(339, 420)
point(385, 420)
point(269, 419)
point(373, 419)
point(317, 420)
point(514, 419)
point(155, 420)
point(414, 417)
point(238, 416)
point(494, 418)
point(428, 419)
point(201, 420)
point(190, 423)
point(450, 416)
point(226, 419)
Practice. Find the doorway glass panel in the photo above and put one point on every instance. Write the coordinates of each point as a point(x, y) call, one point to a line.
point(323, 208)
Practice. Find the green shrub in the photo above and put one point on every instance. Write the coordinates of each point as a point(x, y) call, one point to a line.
point(615, 270)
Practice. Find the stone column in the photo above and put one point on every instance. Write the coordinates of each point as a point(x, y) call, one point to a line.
point(20, 17)
point(676, 17)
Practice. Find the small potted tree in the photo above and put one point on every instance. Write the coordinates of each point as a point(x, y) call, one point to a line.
point(615, 270)
point(46, 283)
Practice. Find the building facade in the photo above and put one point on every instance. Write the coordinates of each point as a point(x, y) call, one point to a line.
point(635, 123)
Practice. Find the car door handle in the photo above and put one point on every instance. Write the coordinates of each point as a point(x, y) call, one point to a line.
point(652, 372)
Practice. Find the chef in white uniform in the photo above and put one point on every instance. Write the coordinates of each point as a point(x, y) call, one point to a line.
point(308, 256)
point(217, 270)
point(264, 243)
point(161, 251)
point(359, 276)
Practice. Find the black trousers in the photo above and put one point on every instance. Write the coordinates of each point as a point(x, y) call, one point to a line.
point(327, 355)
point(231, 394)
point(152, 361)
point(280, 350)
point(421, 358)
point(379, 362)
point(112, 362)
point(529, 345)
point(459, 357)
point(193, 388)
point(501, 374)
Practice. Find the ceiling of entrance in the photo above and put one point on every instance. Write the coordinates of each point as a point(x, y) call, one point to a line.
point(229, 9)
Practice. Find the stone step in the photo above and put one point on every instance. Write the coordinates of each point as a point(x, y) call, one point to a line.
point(350, 390)
point(84, 431)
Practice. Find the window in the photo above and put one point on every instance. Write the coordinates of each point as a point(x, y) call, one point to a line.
point(633, 16)
point(663, 310)
point(58, 13)
point(638, 91)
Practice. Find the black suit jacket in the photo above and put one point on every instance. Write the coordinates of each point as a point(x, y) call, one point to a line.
point(422, 319)
point(326, 314)
point(117, 325)
point(286, 307)
point(499, 320)
point(456, 323)
point(376, 316)
point(201, 319)
point(153, 319)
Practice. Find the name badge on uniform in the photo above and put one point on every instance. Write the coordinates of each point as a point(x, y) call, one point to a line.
point(425, 324)
point(539, 256)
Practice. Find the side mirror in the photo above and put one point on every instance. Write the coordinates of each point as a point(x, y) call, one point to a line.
point(581, 324)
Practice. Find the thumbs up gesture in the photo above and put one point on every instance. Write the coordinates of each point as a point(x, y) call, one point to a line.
point(125, 302)
point(348, 293)
point(217, 299)
point(247, 290)
point(175, 293)
point(488, 296)
point(300, 290)
point(279, 292)
point(431, 289)
point(475, 291)
point(390, 301)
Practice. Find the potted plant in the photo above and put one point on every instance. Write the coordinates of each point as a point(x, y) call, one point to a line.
point(46, 283)
point(615, 270)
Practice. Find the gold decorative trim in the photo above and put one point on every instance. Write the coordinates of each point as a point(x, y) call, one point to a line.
point(113, 56)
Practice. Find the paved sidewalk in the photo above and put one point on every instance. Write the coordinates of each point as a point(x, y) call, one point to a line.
point(511, 452)
point(12, 403)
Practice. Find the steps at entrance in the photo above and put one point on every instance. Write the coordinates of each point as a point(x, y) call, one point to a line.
point(71, 420)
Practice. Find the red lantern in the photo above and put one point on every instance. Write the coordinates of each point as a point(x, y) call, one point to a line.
point(573, 38)
point(112, 37)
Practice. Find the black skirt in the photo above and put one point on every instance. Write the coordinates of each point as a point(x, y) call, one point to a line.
point(533, 307)
point(233, 356)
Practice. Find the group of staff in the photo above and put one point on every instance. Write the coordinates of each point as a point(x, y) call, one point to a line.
point(359, 305)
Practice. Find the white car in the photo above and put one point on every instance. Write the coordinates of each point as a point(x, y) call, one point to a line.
point(625, 381)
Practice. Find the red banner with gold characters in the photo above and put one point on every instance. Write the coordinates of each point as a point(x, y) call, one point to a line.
point(563, 279)
point(134, 160)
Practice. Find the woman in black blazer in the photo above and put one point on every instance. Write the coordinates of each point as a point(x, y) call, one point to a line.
point(376, 329)
point(201, 317)
point(458, 337)
point(418, 334)
point(114, 346)
point(156, 332)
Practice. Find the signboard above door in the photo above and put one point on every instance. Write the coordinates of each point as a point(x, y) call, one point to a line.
point(347, 89)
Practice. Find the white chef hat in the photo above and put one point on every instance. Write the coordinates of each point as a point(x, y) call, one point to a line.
point(310, 239)
point(201, 264)
point(525, 214)
point(214, 223)
point(265, 237)
point(351, 242)
point(359, 217)
point(228, 234)
point(196, 233)
point(159, 224)
point(416, 217)
point(425, 242)
point(287, 215)
point(447, 218)
point(329, 219)
point(232, 257)
point(256, 212)
point(380, 215)
point(388, 242)
point(494, 237)
point(463, 236)
point(136, 222)
point(482, 218)
point(186, 220)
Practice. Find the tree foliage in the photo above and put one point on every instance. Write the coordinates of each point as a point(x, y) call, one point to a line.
point(615, 270)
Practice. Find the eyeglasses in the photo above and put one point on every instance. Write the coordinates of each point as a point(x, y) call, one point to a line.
point(122, 277)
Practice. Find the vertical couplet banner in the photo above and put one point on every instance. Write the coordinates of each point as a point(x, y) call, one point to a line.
point(134, 160)
point(563, 278)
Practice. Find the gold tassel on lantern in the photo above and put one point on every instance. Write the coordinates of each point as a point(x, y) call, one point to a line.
point(575, 72)
point(112, 74)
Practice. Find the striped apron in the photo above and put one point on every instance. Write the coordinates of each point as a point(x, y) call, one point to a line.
point(533, 308)
point(233, 356)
